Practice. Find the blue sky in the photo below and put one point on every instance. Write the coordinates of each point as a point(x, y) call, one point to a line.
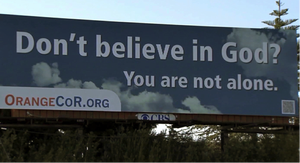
point(229, 13)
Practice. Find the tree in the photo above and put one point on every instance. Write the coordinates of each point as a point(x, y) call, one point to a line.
point(279, 23)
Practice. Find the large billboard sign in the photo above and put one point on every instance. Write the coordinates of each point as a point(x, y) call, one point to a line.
point(146, 67)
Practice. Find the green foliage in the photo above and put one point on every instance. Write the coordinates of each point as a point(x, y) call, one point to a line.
point(18, 145)
point(211, 133)
point(279, 23)
point(269, 148)
point(141, 146)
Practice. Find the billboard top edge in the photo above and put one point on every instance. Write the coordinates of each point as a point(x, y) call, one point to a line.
point(126, 22)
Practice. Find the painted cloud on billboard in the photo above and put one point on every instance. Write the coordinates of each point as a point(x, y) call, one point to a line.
point(154, 68)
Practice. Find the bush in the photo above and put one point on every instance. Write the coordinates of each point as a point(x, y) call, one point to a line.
point(140, 145)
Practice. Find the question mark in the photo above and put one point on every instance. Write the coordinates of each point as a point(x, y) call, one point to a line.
point(276, 53)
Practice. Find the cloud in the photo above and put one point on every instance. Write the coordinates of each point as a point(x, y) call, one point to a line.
point(193, 103)
point(77, 84)
point(89, 85)
point(44, 75)
point(144, 101)
point(113, 85)
point(154, 101)
point(253, 39)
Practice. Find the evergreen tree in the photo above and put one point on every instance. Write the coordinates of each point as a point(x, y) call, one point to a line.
point(279, 23)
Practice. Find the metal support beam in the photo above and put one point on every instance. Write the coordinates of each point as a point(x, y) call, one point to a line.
point(224, 138)
point(39, 126)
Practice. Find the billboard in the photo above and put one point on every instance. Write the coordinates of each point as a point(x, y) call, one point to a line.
point(148, 67)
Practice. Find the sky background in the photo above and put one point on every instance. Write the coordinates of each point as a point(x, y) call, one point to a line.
point(229, 13)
